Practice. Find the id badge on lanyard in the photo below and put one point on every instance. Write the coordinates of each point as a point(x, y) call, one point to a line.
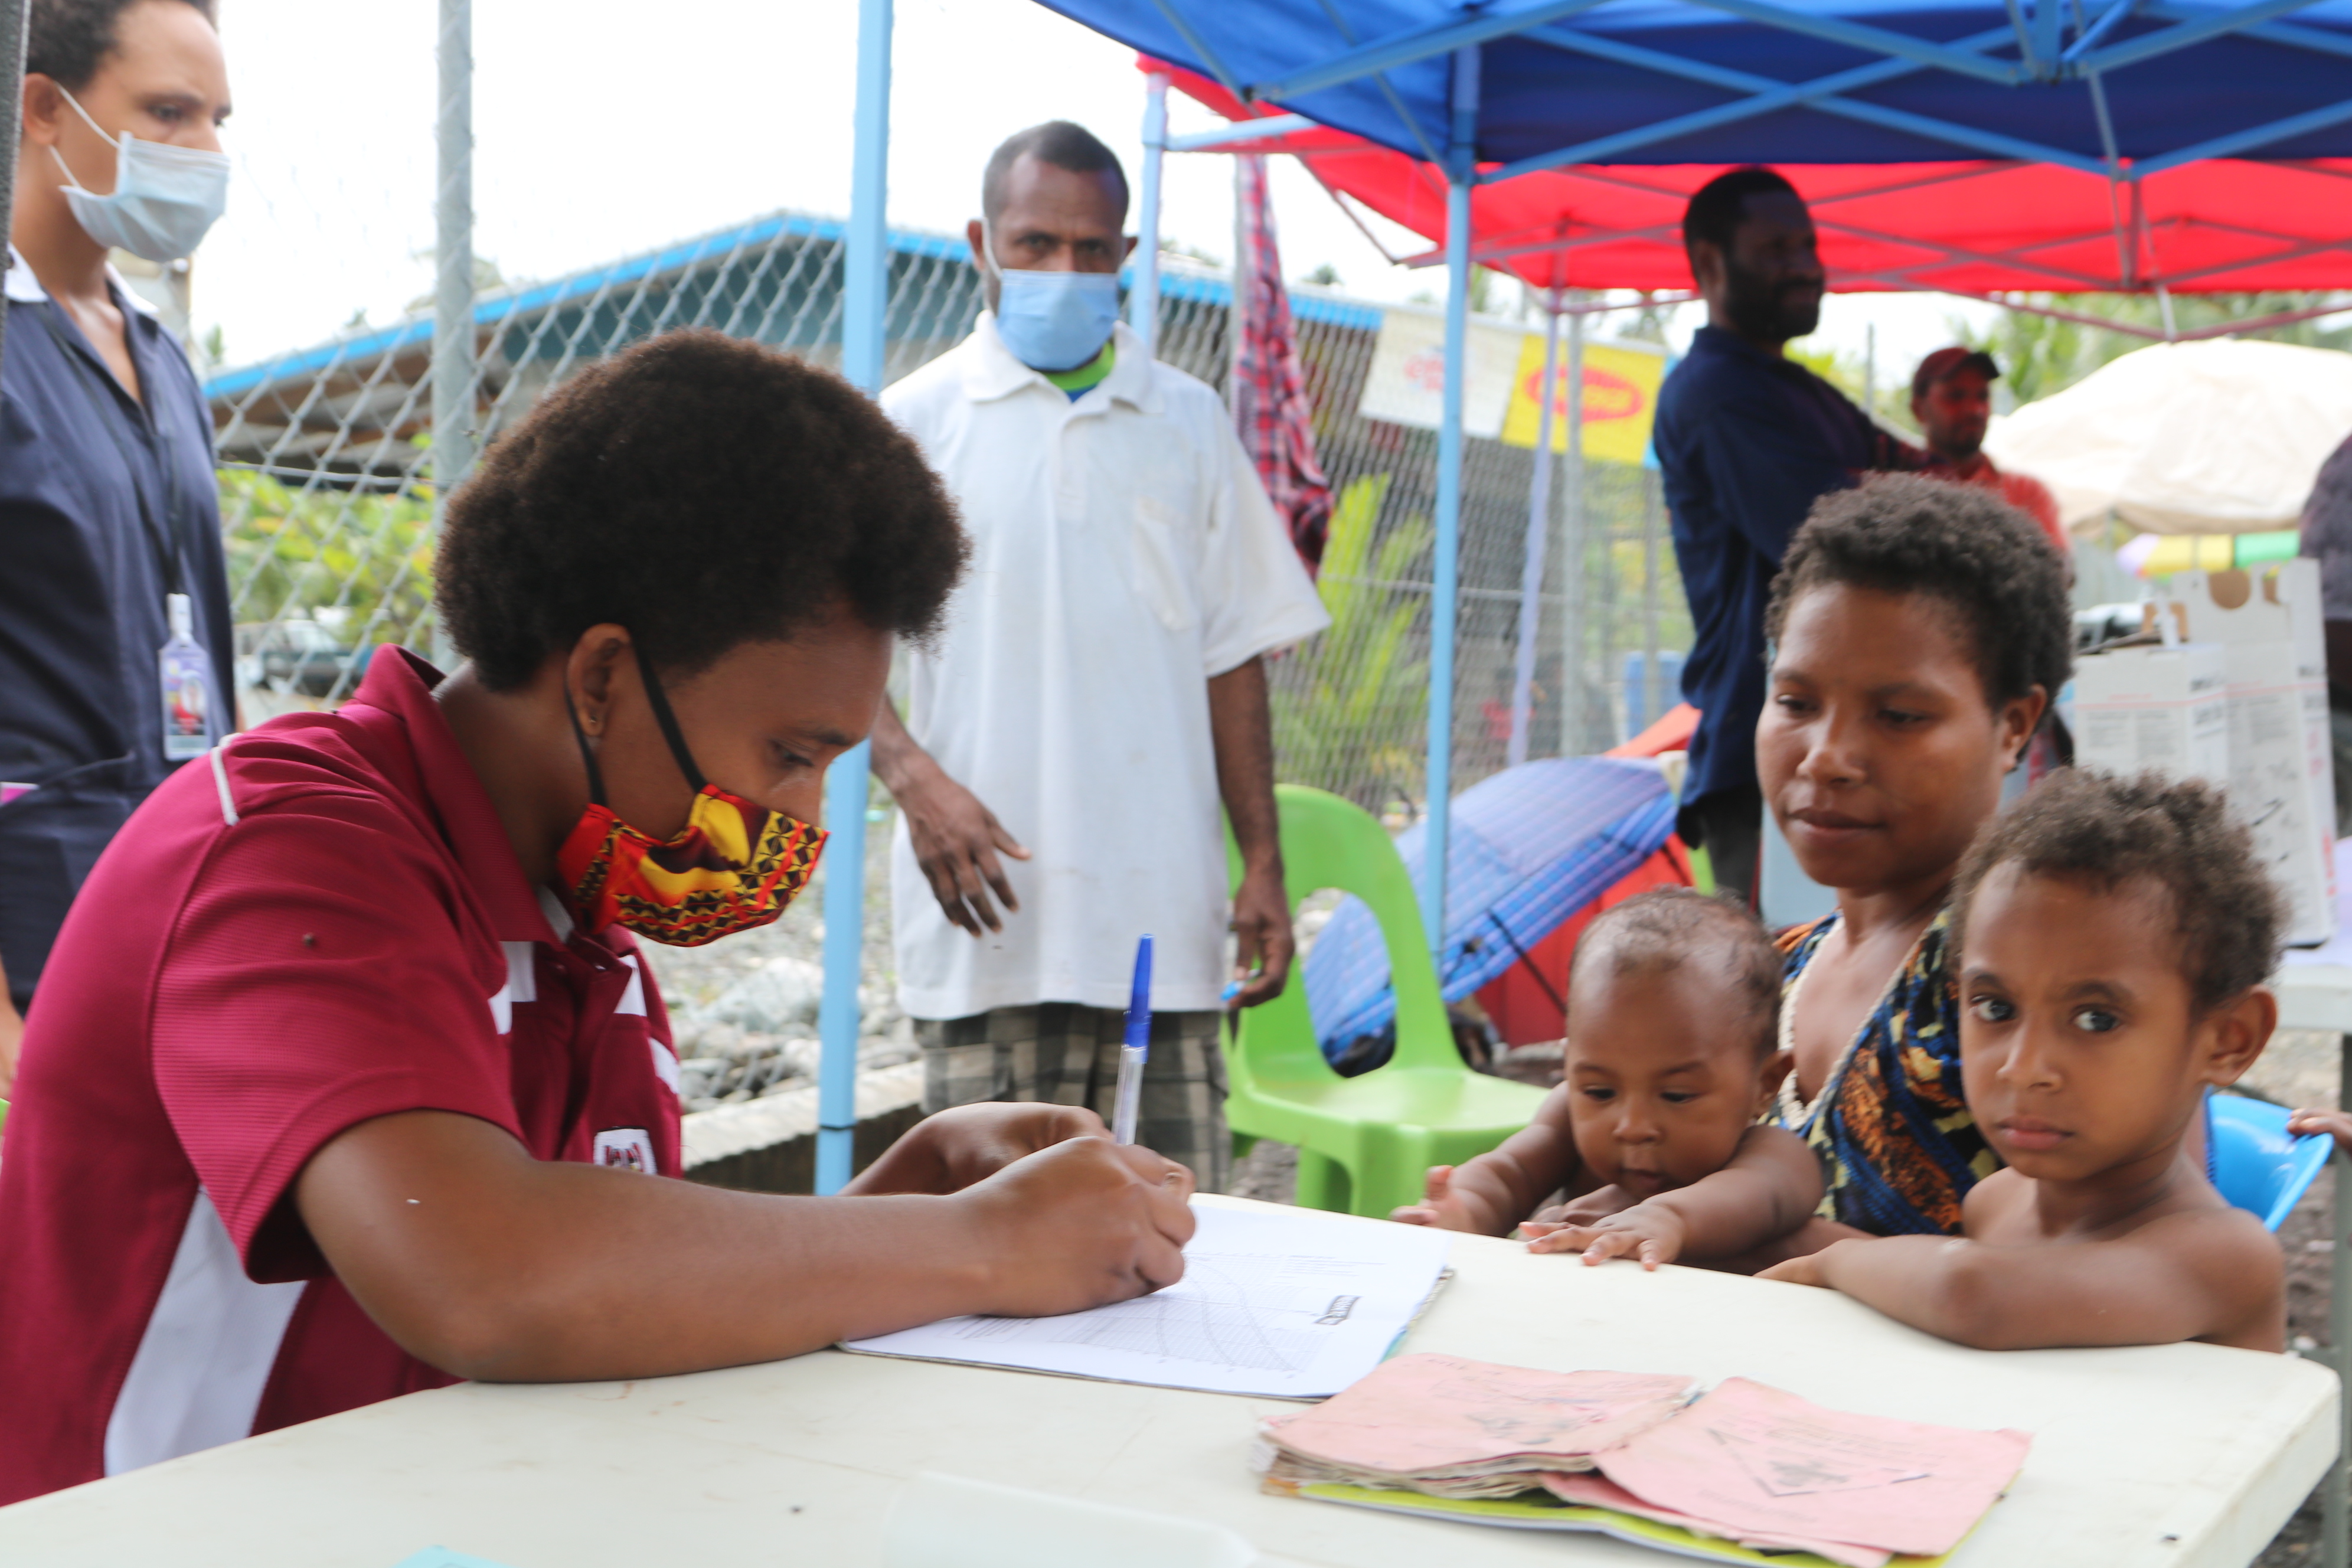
point(187, 681)
point(185, 668)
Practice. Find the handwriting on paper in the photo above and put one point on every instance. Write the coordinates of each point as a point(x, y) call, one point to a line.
point(1758, 1460)
point(1420, 1413)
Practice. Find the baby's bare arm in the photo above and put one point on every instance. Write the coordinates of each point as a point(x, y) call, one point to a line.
point(2215, 1274)
point(1490, 1195)
point(1769, 1190)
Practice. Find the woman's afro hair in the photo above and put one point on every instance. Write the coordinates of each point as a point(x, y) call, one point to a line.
point(703, 492)
point(1902, 533)
point(2093, 828)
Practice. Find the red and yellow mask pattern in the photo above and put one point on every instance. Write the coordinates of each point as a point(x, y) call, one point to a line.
point(734, 866)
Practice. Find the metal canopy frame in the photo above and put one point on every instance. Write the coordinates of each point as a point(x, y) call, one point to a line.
point(1550, 239)
point(2045, 42)
point(2037, 30)
point(865, 309)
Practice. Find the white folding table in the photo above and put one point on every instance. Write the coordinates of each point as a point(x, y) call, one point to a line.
point(2171, 1456)
point(2314, 992)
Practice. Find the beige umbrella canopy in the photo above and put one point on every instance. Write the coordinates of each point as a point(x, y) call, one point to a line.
point(2204, 437)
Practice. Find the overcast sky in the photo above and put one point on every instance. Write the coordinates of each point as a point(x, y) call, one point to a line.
point(603, 128)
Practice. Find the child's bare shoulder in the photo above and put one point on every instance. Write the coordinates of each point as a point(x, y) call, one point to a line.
point(1999, 1204)
point(2237, 1264)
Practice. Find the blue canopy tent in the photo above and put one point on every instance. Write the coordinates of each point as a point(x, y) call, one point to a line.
point(2123, 89)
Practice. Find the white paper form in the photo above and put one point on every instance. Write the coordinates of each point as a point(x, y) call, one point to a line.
point(1295, 1305)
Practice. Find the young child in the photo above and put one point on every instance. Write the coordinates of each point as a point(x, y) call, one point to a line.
point(2114, 936)
point(1673, 1053)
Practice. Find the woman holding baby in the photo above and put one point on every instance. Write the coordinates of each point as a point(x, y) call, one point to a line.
point(1918, 634)
point(2002, 1034)
point(1918, 629)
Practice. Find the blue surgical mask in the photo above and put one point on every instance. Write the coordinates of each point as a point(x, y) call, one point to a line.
point(1055, 321)
point(164, 197)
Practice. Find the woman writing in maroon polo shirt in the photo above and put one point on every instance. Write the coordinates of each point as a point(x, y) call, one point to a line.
point(346, 1064)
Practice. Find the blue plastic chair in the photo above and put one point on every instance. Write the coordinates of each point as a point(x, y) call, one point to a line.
point(2255, 1161)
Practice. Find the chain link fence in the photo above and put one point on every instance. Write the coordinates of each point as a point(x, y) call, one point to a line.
point(328, 496)
point(327, 491)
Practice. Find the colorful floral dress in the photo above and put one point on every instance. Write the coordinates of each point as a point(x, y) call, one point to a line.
point(1891, 1128)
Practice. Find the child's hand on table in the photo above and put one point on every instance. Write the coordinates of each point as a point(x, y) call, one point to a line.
point(1649, 1233)
point(1805, 1270)
point(1440, 1205)
point(2337, 1124)
point(1590, 1208)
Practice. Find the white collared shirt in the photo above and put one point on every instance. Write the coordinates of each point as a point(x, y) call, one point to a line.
point(1123, 553)
point(22, 287)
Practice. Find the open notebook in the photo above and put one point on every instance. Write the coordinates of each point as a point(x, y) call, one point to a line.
point(1293, 1304)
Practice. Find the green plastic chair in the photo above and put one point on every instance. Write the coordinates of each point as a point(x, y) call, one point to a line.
point(1365, 1143)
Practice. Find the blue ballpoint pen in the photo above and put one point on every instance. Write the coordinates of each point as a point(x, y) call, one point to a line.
point(1137, 1047)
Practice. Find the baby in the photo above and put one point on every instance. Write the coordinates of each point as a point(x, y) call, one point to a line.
point(1672, 1006)
point(2113, 939)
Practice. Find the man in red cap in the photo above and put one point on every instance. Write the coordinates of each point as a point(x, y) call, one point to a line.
point(1951, 398)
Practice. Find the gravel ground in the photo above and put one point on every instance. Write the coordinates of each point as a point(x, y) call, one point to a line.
point(744, 1007)
point(2300, 1068)
point(1268, 1173)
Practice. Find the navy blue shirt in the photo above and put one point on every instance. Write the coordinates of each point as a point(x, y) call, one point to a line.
point(82, 580)
point(1747, 442)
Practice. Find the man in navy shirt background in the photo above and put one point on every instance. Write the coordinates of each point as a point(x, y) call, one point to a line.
point(1746, 440)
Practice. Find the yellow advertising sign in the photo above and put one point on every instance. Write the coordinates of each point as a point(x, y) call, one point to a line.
point(1621, 398)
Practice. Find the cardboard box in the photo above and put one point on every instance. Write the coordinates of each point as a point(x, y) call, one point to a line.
point(2282, 771)
point(2160, 710)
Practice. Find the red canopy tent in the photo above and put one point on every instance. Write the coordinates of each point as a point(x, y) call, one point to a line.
point(1965, 227)
point(1979, 229)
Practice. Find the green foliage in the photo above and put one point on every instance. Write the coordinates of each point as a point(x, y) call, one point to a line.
point(1482, 289)
point(2041, 354)
point(1349, 705)
point(1646, 325)
point(1841, 371)
point(291, 553)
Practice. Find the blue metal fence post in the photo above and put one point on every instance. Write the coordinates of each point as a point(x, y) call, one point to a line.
point(865, 298)
point(1531, 574)
point(1143, 297)
point(1461, 170)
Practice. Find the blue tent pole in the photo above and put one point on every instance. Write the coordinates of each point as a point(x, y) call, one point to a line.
point(1523, 676)
point(1461, 167)
point(866, 299)
point(1143, 298)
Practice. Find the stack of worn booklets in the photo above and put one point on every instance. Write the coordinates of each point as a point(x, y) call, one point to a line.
point(1743, 1473)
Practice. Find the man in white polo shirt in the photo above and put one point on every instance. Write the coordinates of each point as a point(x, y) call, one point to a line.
point(1099, 691)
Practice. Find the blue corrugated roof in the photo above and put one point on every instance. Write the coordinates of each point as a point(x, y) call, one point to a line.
point(416, 330)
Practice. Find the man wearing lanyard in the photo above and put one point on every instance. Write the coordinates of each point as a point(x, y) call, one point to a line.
point(114, 618)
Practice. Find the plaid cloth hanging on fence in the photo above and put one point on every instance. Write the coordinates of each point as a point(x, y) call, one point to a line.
point(1269, 391)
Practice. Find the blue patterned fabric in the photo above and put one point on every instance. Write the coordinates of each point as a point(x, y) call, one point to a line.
point(1531, 846)
point(1892, 1129)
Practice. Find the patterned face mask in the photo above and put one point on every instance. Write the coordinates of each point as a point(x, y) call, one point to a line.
point(734, 866)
